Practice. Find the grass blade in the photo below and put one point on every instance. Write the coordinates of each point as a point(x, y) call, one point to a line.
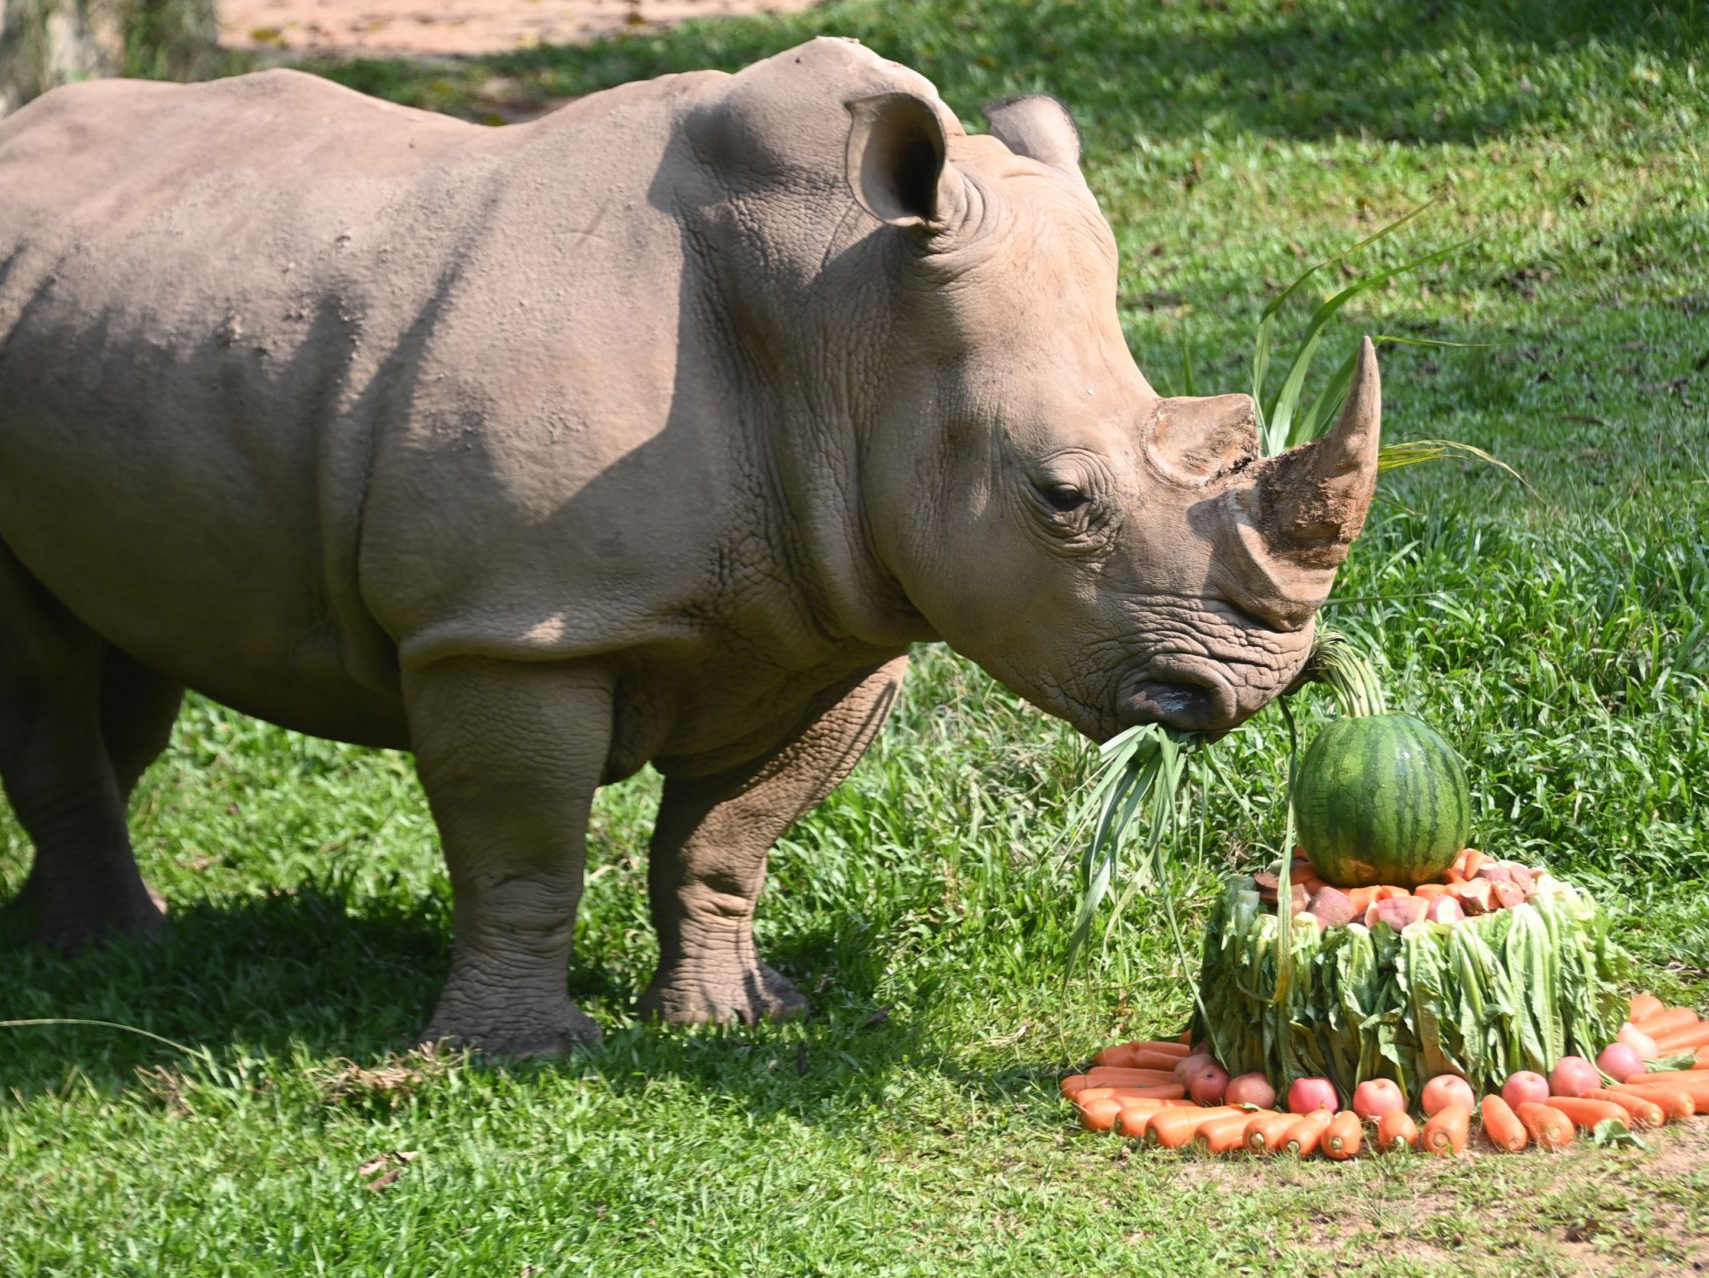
point(1413, 451)
point(1318, 419)
point(80, 1020)
point(1267, 320)
point(1280, 415)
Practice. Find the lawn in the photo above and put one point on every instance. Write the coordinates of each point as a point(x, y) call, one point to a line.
point(911, 1125)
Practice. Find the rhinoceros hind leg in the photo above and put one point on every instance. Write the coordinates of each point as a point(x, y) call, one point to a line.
point(510, 754)
point(708, 858)
point(62, 692)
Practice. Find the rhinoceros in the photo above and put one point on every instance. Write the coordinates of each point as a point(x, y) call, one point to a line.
point(655, 430)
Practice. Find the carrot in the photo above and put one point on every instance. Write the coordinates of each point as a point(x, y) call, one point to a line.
point(1171, 1091)
point(1675, 1102)
point(1074, 1084)
point(1679, 1102)
point(1587, 1113)
point(1099, 1115)
point(1145, 1058)
point(1137, 1113)
point(1303, 1136)
point(1643, 1005)
point(1388, 891)
point(1136, 1106)
point(1266, 1130)
point(1396, 1130)
point(1694, 1083)
point(1163, 1047)
point(1502, 1126)
point(1550, 1128)
point(1173, 1128)
point(1666, 1020)
point(1114, 1076)
point(1223, 1135)
point(1680, 1042)
point(1445, 1131)
point(1128, 1111)
point(1430, 891)
point(1342, 1138)
point(1361, 898)
point(1643, 1111)
point(1470, 862)
point(1118, 1054)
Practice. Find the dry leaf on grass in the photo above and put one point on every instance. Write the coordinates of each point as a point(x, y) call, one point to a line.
point(381, 1171)
point(391, 1079)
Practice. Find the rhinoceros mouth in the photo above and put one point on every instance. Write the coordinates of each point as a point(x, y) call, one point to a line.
point(1182, 692)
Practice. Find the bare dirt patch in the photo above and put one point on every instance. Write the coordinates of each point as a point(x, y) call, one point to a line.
point(421, 29)
point(1615, 1213)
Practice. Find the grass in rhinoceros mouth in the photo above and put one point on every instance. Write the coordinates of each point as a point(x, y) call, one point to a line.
point(910, 1125)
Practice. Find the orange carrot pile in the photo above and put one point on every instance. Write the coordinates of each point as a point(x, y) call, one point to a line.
point(1138, 1089)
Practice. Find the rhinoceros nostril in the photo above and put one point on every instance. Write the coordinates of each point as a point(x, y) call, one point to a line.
point(1191, 706)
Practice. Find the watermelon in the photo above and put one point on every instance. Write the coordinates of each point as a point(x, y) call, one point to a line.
point(1381, 798)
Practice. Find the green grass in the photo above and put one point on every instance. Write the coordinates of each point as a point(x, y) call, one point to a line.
point(910, 1126)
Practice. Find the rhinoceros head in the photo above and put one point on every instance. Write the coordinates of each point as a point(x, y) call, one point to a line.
point(1113, 555)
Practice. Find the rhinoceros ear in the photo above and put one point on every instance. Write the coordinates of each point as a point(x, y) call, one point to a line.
point(1038, 127)
point(896, 158)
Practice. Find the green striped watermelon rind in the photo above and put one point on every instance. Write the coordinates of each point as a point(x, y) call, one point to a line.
point(1381, 799)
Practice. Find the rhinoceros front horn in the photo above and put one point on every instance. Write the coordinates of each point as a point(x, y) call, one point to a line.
point(1314, 498)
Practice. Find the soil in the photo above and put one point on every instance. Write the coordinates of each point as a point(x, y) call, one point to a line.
point(424, 29)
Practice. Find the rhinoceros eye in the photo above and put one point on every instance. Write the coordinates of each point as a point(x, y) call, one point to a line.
point(1065, 498)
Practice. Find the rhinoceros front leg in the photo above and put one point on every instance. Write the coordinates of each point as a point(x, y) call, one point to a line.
point(708, 859)
point(510, 755)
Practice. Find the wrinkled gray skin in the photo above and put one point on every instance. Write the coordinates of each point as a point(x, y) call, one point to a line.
point(655, 430)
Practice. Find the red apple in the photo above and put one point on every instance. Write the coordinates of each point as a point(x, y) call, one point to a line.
point(1525, 1086)
point(1444, 1090)
point(1308, 1094)
point(1639, 1042)
point(1444, 909)
point(1377, 1096)
point(1187, 1066)
point(1250, 1089)
point(1619, 1062)
point(1208, 1085)
point(1574, 1076)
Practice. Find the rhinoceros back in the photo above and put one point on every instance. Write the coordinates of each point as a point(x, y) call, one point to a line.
point(296, 385)
point(214, 299)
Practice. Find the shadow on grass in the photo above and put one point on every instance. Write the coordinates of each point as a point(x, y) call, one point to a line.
point(298, 973)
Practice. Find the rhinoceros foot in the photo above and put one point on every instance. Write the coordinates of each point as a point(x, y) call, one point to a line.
point(548, 1031)
point(80, 920)
point(740, 992)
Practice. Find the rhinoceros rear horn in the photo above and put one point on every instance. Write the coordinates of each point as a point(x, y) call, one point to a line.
point(896, 158)
point(1196, 440)
point(1314, 498)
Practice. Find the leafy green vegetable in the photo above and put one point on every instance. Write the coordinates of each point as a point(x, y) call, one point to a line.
point(1514, 989)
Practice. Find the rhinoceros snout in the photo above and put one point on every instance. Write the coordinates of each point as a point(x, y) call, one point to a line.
point(1186, 700)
